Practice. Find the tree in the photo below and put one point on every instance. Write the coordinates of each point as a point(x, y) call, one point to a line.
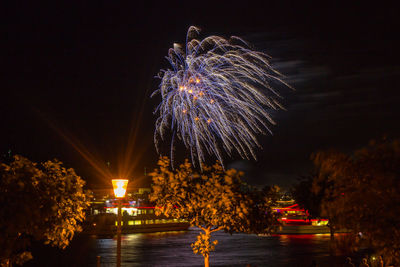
point(364, 194)
point(328, 184)
point(213, 200)
point(43, 202)
point(305, 197)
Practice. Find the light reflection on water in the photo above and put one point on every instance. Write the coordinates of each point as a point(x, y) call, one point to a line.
point(173, 249)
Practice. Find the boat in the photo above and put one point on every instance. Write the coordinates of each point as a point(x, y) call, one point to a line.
point(138, 216)
point(105, 224)
point(296, 220)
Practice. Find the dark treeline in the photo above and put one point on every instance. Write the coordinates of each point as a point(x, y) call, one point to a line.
point(358, 191)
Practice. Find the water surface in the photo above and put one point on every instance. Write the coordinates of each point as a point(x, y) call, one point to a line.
point(173, 249)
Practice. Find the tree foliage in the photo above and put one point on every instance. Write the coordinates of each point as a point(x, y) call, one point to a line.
point(212, 200)
point(329, 185)
point(307, 199)
point(364, 193)
point(42, 202)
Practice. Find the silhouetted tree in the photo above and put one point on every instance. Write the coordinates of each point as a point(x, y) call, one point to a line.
point(305, 197)
point(37, 202)
point(364, 194)
point(212, 200)
point(328, 185)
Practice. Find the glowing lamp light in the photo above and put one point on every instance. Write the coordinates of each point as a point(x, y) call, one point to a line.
point(119, 186)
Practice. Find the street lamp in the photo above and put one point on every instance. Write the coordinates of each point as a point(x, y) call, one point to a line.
point(119, 186)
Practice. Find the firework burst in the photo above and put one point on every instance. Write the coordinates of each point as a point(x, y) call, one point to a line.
point(216, 98)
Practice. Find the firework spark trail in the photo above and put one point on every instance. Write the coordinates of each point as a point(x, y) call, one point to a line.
point(217, 97)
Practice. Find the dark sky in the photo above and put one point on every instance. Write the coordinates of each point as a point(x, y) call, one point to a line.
point(78, 76)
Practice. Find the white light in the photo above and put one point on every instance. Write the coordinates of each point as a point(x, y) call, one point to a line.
point(120, 186)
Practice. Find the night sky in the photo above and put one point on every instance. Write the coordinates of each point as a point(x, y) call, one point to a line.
point(76, 80)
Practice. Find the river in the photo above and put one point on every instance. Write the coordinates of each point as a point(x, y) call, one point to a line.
point(173, 249)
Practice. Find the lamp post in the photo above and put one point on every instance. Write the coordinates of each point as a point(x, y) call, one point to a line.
point(119, 186)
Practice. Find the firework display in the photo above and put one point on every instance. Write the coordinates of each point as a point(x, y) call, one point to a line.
point(216, 98)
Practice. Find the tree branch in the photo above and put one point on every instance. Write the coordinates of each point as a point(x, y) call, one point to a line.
point(202, 228)
point(217, 229)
